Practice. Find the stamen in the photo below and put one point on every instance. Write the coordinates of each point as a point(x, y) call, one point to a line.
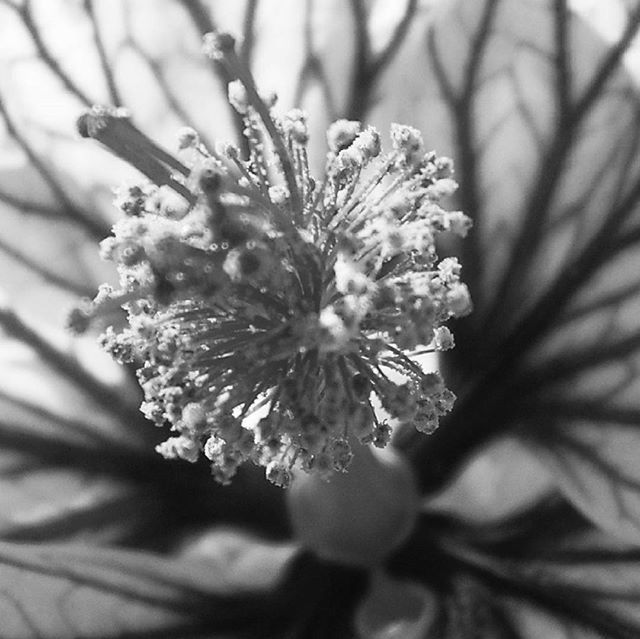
point(303, 298)
point(113, 128)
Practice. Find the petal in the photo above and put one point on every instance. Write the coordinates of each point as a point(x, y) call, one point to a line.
point(246, 561)
point(394, 609)
point(546, 573)
point(62, 591)
point(64, 451)
point(542, 119)
point(501, 480)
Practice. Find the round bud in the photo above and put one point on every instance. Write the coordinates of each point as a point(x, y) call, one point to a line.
point(358, 517)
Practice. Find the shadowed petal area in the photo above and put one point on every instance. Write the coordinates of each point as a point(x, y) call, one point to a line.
point(545, 572)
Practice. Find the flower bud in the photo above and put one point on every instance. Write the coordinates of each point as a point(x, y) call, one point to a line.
point(358, 517)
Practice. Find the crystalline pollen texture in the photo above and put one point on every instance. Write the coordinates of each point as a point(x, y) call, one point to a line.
point(254, 289)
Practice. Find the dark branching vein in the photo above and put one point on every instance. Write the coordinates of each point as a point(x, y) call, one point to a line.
point(107, 71)
point(527, 241)
point(103, 395)
point(27, 206)
point(538, 208)
point(626, 239)
point(185, 491)
point(599, 466)
point(608, 166)
point(609, 65)
point(312, 67)
point(526, 113)
point(380, 63)
point(123, 510)
point(530, 533)
point(602, 247)
point(475, 58)
point(25, 12)
point(524, 580)
point(489, 406)
point(483, 143)
point(102, 575)
point(297, 608)
point(57, 451)
point(563, 442)
point(359, 89)
point(566, 366)
point(68, 443)
point(18, 466)
point(77, 430)
point(19, 607)
point(368, 68)
point(606, 243)
point(205, 503)
point(141, 503)
point(45, 272)
point(446, 88)
point(155, 67)
point(474, 419)
point(596, 411)
point(575, 605)
point(578, 554)
point(92, 225)
point(360, 17)
point(562, 61)
point(461, 101)
point(625, 170)
point(610, 300)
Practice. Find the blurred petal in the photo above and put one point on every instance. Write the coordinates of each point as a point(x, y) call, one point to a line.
point(498, 482)
point(593, 591)
point(58, 591)
point(60, 448)
point(394, 609)
point(244, 560)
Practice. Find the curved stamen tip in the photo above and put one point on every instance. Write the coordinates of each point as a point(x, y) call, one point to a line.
point(94, 120)
point(218, 44)
point(82, 125)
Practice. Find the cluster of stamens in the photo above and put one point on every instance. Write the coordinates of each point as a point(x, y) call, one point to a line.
point(273, 317)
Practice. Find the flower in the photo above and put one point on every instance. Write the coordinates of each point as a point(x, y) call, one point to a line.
point(539, 113)
point(253, 287)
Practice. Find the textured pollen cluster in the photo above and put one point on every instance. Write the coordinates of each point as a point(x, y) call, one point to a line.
point(274, 317)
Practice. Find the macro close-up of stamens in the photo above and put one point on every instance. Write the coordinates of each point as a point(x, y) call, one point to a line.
point(319, 320)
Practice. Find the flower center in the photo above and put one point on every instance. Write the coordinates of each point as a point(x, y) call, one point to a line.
point(276, 317)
